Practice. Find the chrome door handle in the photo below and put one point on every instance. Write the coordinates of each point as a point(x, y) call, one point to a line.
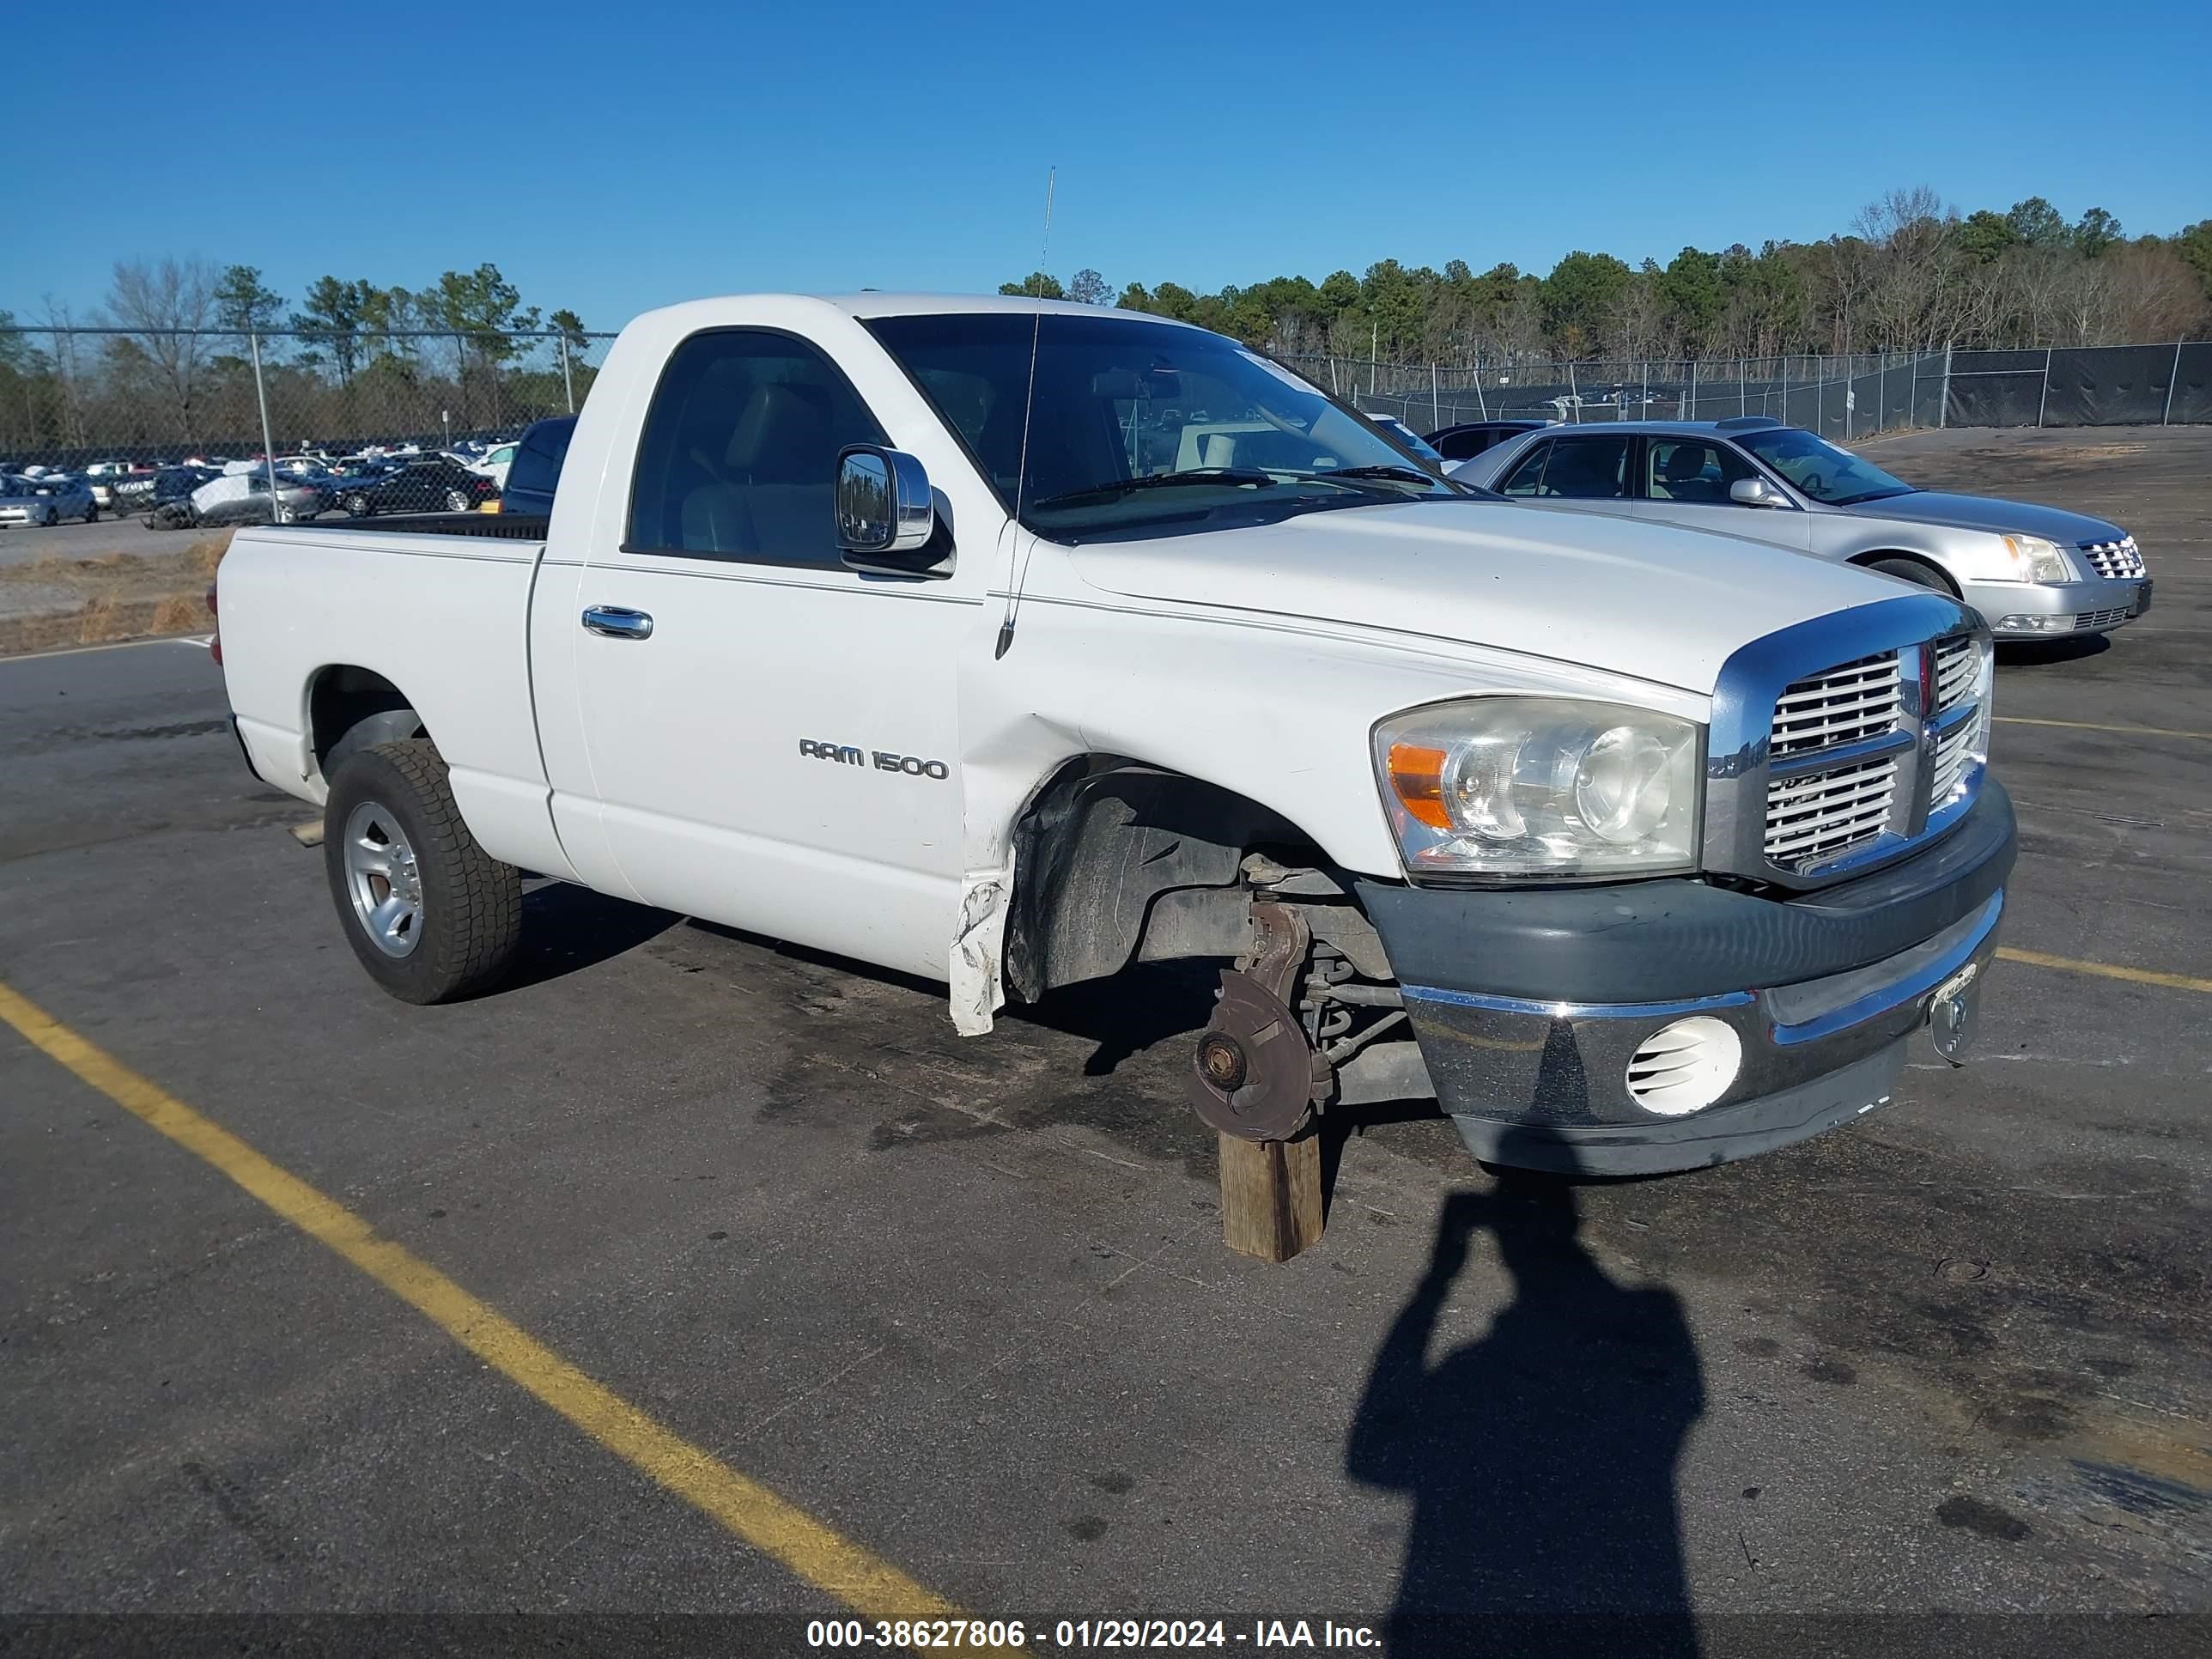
point(618, 624)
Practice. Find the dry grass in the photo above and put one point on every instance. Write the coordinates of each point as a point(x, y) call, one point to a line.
point(48, 604)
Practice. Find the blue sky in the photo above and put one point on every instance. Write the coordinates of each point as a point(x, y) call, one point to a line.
point(613, 158)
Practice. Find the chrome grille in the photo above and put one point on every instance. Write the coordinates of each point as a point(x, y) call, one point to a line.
point(1956, 662)
point(2100, 618)
point(2114, 559)
point(1846, 704)
point(1953, 750)
point(1816, 815)
point(1812, 777)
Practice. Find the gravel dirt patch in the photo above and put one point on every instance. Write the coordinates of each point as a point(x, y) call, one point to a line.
point(52, 603)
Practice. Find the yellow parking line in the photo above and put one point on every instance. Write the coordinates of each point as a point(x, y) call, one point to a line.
point(2087, 726)
point(2105, 970)
point(768, 1522)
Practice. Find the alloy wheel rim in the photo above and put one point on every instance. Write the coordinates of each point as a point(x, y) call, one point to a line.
point(383, 880)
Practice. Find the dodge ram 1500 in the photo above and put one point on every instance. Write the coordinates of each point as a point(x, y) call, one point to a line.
point(1012, 644)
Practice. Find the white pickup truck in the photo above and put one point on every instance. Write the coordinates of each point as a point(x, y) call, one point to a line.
point(1011, 644)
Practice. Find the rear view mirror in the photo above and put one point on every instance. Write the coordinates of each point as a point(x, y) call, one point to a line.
point(1160, 386)
point(887, 519)
point(1756, 492)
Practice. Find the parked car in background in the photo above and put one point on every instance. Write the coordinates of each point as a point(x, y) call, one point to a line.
point(107, 487)
point(1469, 438)
point(244, 498)
point(1405, 435)
point(493, 464)
point(45, 499)
point(167, 496)
point(2031, 571)
point(433, 484)
point(536, 468)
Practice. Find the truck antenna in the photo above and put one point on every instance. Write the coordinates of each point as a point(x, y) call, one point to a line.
point(1022, 466)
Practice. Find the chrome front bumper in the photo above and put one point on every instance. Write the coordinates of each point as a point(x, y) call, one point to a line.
point(1544, 1085)
point(2038, 610)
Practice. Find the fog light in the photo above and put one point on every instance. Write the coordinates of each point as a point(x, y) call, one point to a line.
point(1685, 1066)
point(2035, 624)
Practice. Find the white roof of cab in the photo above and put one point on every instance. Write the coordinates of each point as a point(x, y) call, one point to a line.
point(942, 305)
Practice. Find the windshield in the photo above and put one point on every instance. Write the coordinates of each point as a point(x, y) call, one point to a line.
point(1141, 428)
point(1819, 469)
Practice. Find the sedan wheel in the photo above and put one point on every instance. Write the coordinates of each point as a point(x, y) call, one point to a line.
point(357, 506)
point(1911, 570)
point(456, 502)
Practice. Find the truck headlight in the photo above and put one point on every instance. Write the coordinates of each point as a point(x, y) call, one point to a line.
point(2032, 559)
point(1541, 789)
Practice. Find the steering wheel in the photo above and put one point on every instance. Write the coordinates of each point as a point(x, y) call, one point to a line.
point(1813, 485)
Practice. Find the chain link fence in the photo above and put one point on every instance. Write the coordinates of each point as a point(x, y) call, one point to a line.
point(1842, 398)
point(112, 403)
point(108, 400)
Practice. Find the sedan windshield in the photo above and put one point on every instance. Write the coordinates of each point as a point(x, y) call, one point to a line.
point(1124, 409)
point(1819, 469)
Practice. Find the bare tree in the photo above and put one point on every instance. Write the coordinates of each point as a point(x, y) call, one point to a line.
point(69, 372)
point(1634, 319)
point(1908, 238)
point(164, 302)
point(2155, 296)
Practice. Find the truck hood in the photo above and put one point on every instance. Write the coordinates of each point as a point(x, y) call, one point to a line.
point(1651, 601)
point(1988, 513)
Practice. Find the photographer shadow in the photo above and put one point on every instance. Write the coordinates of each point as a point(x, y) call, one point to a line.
point(1540, 1457)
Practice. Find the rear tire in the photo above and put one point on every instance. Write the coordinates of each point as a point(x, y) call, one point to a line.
point(444, 920)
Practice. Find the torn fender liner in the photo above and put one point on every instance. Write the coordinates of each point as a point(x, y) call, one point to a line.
point(977, 991)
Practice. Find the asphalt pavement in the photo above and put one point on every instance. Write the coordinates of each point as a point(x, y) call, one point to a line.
point(965, 1301)
point(25, 543)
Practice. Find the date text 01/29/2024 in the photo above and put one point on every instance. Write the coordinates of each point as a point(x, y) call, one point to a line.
point(1294, 1635)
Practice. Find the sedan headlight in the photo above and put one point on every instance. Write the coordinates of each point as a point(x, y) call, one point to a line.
point(1541, 789)
point(2032, 559)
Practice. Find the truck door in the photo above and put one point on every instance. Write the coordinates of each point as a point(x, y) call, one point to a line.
point(772, 738)
point(1685, 481)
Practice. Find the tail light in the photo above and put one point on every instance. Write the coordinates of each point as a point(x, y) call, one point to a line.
point(214, 640)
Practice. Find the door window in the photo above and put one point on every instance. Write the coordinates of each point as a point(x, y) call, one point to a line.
point(1574, 469)
point(739, 459)
point(1692, 471)
point(1524, 479)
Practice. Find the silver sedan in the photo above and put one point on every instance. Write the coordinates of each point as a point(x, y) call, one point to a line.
point(2031, 571)
point(46, 500)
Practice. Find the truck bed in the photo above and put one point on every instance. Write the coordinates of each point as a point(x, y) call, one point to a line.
point(438, 605)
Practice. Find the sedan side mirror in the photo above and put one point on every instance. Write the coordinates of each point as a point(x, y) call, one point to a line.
point(1756, 492)
point(887, 519)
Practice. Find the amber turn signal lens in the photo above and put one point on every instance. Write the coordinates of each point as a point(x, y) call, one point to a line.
point(1417, 778)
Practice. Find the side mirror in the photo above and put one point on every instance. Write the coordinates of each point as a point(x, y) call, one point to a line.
point(1756, 492)
point(887, 518)
point(883, 504)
